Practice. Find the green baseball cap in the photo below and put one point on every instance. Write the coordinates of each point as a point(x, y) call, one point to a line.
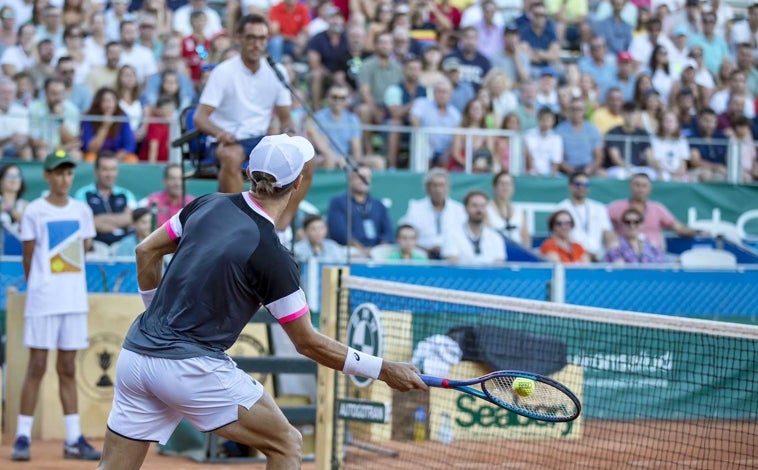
point(56, 159)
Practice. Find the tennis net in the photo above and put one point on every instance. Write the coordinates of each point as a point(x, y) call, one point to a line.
point(657, 391)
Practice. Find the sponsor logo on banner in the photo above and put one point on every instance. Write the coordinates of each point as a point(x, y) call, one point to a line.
point(364, 334)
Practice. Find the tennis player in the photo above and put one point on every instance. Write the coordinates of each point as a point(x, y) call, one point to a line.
point(227, 263)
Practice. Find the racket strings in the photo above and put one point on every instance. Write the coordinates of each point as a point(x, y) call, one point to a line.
point(545, 401)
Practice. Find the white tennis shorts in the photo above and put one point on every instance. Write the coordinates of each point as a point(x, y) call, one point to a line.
point(67, 332)
point(153, 394)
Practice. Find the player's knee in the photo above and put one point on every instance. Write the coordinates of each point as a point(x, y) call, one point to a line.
point(36, 367)
point(293, 443)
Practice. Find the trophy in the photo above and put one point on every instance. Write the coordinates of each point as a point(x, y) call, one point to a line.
point(105, 364)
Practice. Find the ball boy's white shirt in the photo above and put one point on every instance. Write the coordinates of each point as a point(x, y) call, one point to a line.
point(243, 100)
point(57, 281)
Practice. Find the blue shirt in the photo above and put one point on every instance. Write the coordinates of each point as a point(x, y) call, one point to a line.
point(119, 200)
point(122, 140)
point(341, 131)
point(714, 51)
point(604, 75)
point(370, 222)
point(579, 146)
point(713, 150)
point(617, 34)
point(538, 43)
point(472, 70)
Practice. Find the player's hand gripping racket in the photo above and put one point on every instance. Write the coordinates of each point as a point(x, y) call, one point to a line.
point(523, 393)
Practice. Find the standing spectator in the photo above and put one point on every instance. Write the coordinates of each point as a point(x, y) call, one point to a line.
point(105, 75)
point(656, 216)
point(627, 146)
point(76, 93)
point(12, 206)
point(326, 53)
point(140, 229)
point(56, 231)
point(437, 112)
point(196, 48)
point(709, 148)
point(714, 47)
point(20, 57)
point(582, 142)
point(435, 214)
point(235, 119)
point(343, 127)
point(512, 59)
point(474, 65)
point(671, 152)
point(600, 64)
point(315, 244)
point(505, 216)
point(54, 122)
point(558, 247)
point(473, 242)
point(398, 100)
point(616, 32)
point(171, 200)
point(543, 147)
point(183, 13)
point(14, 124)
point(289, 22)
point(370, 223)
point(134, 54)
point(592, 226)
point(110, 131)
point(539, 39)
point(112, 205)
point(632, 247)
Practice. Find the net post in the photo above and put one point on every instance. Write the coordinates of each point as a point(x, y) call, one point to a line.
point(330, 283)
point(558, 284)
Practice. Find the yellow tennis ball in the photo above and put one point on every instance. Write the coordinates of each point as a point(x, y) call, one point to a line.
point(523, 387)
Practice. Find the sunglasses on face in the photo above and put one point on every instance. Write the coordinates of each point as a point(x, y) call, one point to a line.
point(338, 97)
point(632, 222)
point(582, 184)
point(564, 223)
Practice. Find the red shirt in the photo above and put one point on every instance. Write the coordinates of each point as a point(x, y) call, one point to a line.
point(195, 54)
point(291, 22)
point(159, 132)
point(577, 251)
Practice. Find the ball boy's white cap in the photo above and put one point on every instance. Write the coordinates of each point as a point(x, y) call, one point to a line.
point(282, 157)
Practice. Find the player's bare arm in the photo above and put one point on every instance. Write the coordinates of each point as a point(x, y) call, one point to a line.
point(332, 354)
point(149, 254)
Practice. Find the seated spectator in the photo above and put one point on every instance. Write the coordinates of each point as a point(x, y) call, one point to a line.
point(616, 28)
point(171, 200)
point(625, 79)
point(511, 59)
point(406, 248)
point(435, 214)
point(631, 247)
point(737, 86)
point(473, 242)
point(8, 27)
point(505, 216)
point(437, 112)
point(547, 90)
point(135, 54)
point(171, 87)
point(105, 75)
point(527, 109)
point(662, 78)
point(502, 157)
point(746, 31)
point(76, 93)
point(196, 47)
point(54, 122)
point(128, 91)
point(154, 146)
point(25, 89)
point(463, 92)
point(142, 225)
point(20, 57)
point(686, 108)
point(735, 110)
point(671, 152)
point(627, 146)
point(582, 142)
point(474, 65)
point(431, 65)
point(14, 124)
point(641, 47)
point(183, 13)
point(114, 16)
point(558, 247)
point(96, 40)
point(111, 205)
point(609, 116)
point(651, 111)
point(288, 21)
point(482, 146)
point(43, 67)
point(171, 62)
point(592, 226)
point(12, 205)
point(109, 131)
point(315, 244)
point(714, 46)
point(370, 222)
point(327, 52)
point(539, 40)
point(601, 64)
point(73, 37)
point(656, 217)
point(709, 148)
point(543, 148)
point(744, 141)
point(398, 100)
point(503, 99)
point(748, 66)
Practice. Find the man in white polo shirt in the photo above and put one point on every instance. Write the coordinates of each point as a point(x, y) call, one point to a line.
point(236, 106)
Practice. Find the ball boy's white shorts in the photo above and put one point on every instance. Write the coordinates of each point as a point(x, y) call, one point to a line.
point(66, 332)
point(153, 394)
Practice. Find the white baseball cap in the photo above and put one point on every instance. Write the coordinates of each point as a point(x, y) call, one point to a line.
point(282, 157)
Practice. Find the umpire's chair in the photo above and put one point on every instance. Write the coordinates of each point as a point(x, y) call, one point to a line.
point(197, 161)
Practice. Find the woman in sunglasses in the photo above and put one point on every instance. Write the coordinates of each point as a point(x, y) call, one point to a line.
point(558, 247)
point(633, 247)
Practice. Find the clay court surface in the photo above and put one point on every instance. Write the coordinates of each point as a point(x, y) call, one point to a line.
point(605, 445)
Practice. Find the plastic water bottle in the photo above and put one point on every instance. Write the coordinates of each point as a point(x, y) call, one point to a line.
point(445, 433)
point(419, 424)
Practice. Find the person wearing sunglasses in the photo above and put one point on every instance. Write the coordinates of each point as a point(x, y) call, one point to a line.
point(558, 247)
point(592, 225)
point(632, 247)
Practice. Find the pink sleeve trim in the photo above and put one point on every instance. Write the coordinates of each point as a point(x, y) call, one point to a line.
point(171, 234)
point(294, 316)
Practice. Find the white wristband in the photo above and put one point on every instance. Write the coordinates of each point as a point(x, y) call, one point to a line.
point(147, 296)
point(365, 365)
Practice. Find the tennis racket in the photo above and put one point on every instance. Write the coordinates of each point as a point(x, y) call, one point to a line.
point(550, 401)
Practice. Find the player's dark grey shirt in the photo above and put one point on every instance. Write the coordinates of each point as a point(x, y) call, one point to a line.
point(228, 262)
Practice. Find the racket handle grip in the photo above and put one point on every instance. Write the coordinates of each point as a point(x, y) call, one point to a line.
point(433, 381)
